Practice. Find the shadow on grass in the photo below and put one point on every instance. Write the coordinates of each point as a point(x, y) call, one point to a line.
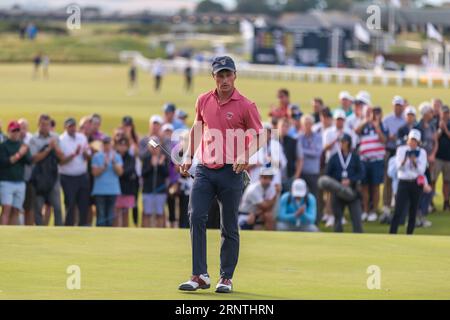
point(235, 295)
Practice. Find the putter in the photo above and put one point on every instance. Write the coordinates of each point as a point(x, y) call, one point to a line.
point(155, 144)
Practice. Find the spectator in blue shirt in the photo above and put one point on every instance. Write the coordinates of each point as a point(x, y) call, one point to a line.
point(107, 167)
point(297, 209)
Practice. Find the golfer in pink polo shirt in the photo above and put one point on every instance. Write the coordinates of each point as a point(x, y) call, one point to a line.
point(226, 132)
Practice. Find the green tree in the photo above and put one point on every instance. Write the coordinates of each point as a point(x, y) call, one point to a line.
point(300, 5)
point(209, 6)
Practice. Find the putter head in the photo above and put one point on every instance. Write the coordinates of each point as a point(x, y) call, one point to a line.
point(153, 143)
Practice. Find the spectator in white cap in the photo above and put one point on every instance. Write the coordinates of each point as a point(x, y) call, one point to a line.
point(411, 162)
point(411, 122)
point(332, 135)
point(392, 123)
point(154, 130)
point(258, 201)
point(297, 209)
point(346, 101)
point(362, 99)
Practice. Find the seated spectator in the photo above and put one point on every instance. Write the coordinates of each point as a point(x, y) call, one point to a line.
point(297, 209)
point(154, 194)
point(258, 202)
point(128, 183)
point(346, 168)
point(14, 156)
point(107, 167)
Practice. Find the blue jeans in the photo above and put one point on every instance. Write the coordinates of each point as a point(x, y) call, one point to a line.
point(105, 210)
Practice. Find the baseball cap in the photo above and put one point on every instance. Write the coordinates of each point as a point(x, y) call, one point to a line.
point(167, 126)
point(415, 134)
point(156, 118)
point(345, 95)
point(266, 171)
point(410, 110)
point(339, 114)
point(223, 63)
point(169, 107)
point(363, 97)
point(398, 100)
point(180, 114)
point(425, 107)
point(70, 122)
point(106, 139)
point(127, 120)
point(298, 188)
point(13, 125)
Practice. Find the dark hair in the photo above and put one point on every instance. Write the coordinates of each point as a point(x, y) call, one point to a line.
point(52, 123)
point(284, 92)
point(326, 112)
point(44, 117)
point(318, 100)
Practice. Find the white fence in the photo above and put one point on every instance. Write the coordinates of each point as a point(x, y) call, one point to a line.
point(411, 77)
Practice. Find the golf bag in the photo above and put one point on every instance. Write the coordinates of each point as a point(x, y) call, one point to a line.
point(335, 187)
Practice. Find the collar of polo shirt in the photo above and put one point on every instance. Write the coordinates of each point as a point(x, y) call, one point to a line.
point(234, 96)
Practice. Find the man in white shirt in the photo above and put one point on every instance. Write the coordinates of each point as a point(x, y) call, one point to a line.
point(74, 173)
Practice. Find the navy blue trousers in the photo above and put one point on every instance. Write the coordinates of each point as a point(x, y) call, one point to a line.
point(227, 186)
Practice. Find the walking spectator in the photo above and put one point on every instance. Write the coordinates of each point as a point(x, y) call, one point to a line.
point(158, 73)
point(442, 164)
point(14, 156)
point(411, 161)
point(188, 76)
point(107, 167)
point(310, 149)
point(46, 153)
point(392, 123)
point(154, 174)
point(297, 209)
point(345, 167)
point(258, 202)
point(346, 102)
point(372, 136)
point(74, 173)
point(128, 183)
point(132, 76)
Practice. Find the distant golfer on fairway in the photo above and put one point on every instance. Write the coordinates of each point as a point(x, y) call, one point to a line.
point(220, 113)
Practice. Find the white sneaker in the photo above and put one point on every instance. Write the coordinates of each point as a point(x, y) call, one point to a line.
point(386, 211)
point(224, 286)
point(325, 217)
point(343, 221)
point(330, 222)
point(426, 223)
point(372, 217)
point(364, 216)
point(196, 282)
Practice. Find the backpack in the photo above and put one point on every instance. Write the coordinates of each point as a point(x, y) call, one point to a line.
point(45, 174)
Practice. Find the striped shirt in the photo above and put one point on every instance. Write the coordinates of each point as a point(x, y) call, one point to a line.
point(371, 148)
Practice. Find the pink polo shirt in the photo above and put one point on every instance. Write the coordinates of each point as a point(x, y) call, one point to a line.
point(227, 127)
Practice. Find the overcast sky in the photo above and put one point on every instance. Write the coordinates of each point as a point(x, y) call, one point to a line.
point(168, 6)
point(122, 5)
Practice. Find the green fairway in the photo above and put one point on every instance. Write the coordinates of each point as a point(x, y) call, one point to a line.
point(149, 264)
